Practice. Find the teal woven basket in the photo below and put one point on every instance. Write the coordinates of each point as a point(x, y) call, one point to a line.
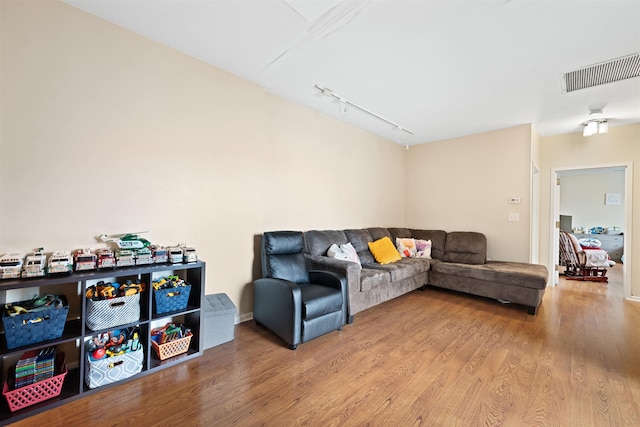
point(38, 326)
point(172, 299)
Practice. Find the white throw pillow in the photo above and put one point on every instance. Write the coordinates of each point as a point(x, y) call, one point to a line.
point(345, 252)
point(406, 247)
point(423, 248)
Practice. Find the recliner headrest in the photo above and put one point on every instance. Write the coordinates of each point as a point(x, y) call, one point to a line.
point(282, 242)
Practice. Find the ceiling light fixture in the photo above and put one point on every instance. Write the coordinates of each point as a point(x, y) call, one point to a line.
point(596, 124)
point(344, 103)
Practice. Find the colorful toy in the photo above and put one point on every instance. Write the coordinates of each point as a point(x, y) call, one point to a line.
point(126, 240)
point(160, 254)
point(85, 259)
point(106, 259)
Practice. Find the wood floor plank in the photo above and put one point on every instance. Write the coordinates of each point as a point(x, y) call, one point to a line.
point(427, 358)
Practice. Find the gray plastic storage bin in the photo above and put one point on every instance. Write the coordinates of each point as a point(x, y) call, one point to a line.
point(219, 316)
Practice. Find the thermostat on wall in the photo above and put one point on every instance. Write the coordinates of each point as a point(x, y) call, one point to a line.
point(514, 200)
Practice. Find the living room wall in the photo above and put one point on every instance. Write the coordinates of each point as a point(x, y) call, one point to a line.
point(573, 151)
point(104, 131)
point(465, 184)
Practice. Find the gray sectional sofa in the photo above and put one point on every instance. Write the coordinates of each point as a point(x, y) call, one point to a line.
point(458, 262)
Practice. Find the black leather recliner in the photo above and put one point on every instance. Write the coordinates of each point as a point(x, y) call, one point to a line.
point(296, 304)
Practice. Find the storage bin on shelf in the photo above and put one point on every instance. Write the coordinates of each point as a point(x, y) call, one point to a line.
point(170, 294)
point(104, 312)
point(37, 392)
point(40, 323)
point(113, 356)
point(170, 340)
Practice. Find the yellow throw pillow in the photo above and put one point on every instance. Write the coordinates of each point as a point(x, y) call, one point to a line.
point(383, 251)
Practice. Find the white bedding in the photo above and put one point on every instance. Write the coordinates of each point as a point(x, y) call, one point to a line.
point(597, 258)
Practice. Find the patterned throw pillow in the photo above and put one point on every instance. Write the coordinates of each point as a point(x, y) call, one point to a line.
point(423, 248)
point(406, 247)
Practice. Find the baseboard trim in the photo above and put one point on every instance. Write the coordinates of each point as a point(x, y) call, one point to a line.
point(244, 317)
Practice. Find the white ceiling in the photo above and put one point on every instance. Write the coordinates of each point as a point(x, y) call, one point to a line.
point(440, 69)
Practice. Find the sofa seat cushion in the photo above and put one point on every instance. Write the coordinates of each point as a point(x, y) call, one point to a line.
point(508, 273)
point(404, 268)
point(371, 278)
point(319, 300)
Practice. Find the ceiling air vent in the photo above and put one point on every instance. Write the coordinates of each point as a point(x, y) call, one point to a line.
point(605, 72)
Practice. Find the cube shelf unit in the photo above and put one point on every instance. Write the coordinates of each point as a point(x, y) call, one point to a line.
point(76, 333)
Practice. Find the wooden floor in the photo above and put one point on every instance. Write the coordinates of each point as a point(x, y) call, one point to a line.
point(427, 358)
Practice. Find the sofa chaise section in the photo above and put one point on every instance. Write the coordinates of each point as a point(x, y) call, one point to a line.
point(460, 264)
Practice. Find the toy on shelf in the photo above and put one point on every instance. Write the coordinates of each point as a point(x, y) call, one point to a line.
point(125, 258)
point(113, 343)
point(106, 259)
point(101, 290)
point(175, 254)
point(126, 240)
point(143, 256)
point(35, 264)
point(160, 254)
point(170, 340)
point(182, 253)
point(85, 259)
point(11, 266)
point(189, 254)
point(60, 262)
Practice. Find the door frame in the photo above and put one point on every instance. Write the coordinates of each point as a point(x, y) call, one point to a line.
point(554, 213)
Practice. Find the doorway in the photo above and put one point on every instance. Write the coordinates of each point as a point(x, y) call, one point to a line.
point(602, 199)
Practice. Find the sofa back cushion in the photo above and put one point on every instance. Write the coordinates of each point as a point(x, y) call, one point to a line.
point(466, 247)
point(378, 233)
point(360, 239)
point(402, 233)
point(438, 239)
point(318, 242)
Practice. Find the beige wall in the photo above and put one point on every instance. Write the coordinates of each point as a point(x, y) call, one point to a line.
point(582, 196)
point(465, 184)
point(104, 131)
point(571, 151)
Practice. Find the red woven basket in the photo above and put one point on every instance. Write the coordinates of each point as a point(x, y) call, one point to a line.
point(34, 393)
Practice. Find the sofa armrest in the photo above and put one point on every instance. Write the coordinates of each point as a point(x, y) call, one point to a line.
point(348, 269)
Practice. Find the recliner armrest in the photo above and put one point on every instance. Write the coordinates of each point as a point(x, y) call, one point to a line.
point(277, 305)
point(326, 278)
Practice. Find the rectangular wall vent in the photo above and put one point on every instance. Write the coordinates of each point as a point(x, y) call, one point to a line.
point(605, 72)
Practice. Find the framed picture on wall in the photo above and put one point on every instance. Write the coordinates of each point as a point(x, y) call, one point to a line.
point(612, 199)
